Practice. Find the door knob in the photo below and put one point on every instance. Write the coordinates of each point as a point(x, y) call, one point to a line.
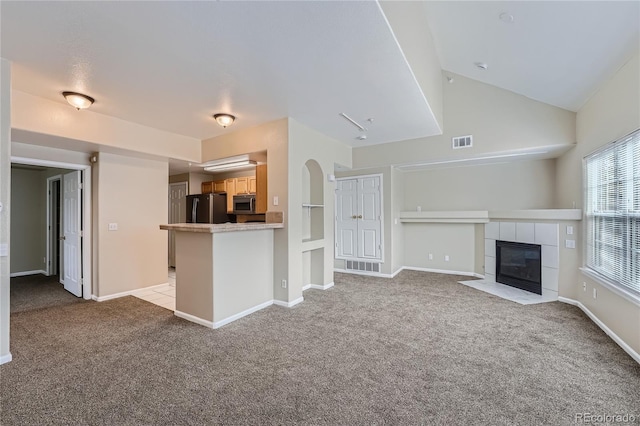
point(62, 238)
point(359, 216)
point(354, 217)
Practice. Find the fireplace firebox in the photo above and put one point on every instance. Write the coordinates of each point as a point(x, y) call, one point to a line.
point(519, 265)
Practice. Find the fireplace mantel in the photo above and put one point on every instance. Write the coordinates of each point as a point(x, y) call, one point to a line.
point(485, 216)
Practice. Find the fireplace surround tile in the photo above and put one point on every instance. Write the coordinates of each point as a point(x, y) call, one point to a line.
point(550, 257)
point(550, 278)
point(492, 230)
point(546, 234)
point(507, 231)
point(525, 232)
point(490, 247)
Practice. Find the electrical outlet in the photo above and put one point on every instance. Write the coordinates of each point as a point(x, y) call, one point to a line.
point(584, 286)
point(446, 258)
point(113, 227)
point(595, 293)
point(276, 200)
point(570, 244)
point(284, 284)
point(430, 256)
point(44, 260)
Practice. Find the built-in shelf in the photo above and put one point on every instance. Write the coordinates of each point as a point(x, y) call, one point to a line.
point(484, 216)
point(313, 205)
point(309, 245)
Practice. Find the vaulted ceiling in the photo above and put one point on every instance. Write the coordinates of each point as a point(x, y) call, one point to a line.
point(171, 65)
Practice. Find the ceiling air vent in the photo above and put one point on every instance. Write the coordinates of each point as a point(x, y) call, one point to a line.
point(462, 141)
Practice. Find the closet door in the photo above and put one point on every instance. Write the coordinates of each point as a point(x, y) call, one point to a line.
point(359, 219)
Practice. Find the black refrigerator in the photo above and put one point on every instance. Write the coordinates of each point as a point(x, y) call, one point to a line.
point(207, 208)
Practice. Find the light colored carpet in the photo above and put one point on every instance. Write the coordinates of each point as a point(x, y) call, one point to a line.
point(413, 350)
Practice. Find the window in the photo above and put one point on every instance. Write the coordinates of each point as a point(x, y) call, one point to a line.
point(612, 207)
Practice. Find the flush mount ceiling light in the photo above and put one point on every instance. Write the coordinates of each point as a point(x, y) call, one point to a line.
point(224, 119)
point(506, 17)
point(230, 165)
point(78, 100)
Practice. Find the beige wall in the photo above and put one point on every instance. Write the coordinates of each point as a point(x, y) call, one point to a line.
point(408, 21)
point(530, 185)
point(307, 144)
point(28, 207)
point(499, 120)
point(272, 137)
point(39, 115)
point(611, 113)
point(440, 239)
point(132, 193)
point(5, 199)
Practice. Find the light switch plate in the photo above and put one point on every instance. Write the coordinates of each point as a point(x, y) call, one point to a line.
point(4, 250)
point(569, 230)
point(276, 200)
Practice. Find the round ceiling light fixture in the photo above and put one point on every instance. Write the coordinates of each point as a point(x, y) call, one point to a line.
point(506, 17)
point(224, 119)
point(78, 100)
point(481, 65)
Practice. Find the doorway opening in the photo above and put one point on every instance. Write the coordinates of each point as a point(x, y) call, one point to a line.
point(66, 225)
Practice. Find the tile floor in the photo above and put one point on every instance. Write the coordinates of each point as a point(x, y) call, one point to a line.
point(510, 293)
point(164, 295)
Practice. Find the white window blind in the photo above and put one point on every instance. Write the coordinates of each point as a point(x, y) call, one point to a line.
point(612, 206)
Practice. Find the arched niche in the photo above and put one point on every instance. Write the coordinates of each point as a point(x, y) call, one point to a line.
point(312, 201)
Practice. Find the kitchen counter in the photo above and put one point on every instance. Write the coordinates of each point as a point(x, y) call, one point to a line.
point(212, 228)
point(223, 271)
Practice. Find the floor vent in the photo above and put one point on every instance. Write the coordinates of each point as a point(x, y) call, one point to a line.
point(462, 141)
point(353, 265)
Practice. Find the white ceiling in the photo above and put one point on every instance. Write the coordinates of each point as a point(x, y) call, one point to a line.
point(171, 65)
point(556, 52)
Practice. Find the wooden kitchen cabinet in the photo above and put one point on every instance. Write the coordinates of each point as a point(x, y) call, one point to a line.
point(220, 186)
point(252, 184)
point(242, 185)
point(261, 188)
point(231, 191)
point(207, 187)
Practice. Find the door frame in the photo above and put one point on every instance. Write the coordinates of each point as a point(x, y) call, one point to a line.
point(86, 240)
point(335, 215)
point(186, 192)
point(51, 244)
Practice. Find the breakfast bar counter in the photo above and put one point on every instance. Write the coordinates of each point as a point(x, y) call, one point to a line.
point(223, 271)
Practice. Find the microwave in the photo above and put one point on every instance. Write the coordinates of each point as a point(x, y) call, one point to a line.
point(244, 204)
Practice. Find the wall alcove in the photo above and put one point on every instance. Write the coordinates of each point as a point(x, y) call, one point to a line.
point(312, 224)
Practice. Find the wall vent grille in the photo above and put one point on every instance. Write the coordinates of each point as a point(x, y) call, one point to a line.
point(462, 141)
point(353, 265)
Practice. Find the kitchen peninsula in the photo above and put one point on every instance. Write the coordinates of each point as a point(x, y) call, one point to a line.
point(223, 271)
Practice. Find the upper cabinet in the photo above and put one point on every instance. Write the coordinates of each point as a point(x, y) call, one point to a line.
point(256, 184)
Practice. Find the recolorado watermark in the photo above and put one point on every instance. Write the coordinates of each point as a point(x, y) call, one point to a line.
point(606, 418)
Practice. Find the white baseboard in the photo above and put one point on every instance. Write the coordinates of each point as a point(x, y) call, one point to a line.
point(408, 268)
point(322, 287)
point(288, 304)
point(628, 349)
point(369, 274)
point(25, 273)
point(125, 293)
point(442, 271)
point(244, 313)
point(5, 358)
point(193, 318)
point(318, 287)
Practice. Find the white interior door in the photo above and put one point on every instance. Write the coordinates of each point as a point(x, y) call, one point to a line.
point(346, 218)
point(72, 232)
point(177, 214)
point(359, 219)
point(369, 223)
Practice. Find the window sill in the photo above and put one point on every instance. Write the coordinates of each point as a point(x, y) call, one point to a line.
point(627, 295)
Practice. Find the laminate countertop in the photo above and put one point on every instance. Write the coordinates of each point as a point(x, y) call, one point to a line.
point(212, 228)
